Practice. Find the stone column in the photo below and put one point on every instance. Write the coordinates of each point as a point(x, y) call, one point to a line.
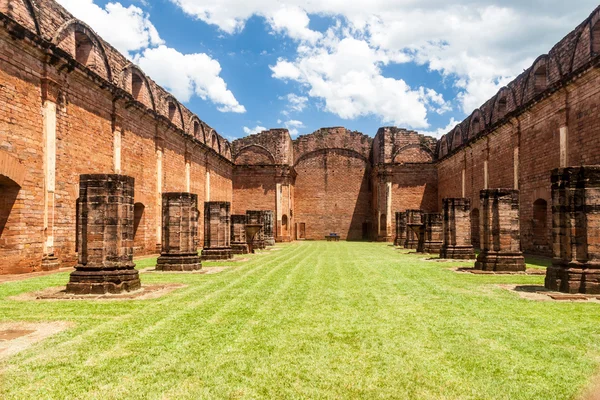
point(254, 217)
point(179, 232)
point(457, 230)
point(217, 231)
point(268, 229)
point(575, 231)
point(412, 217)
point(432, 242)
point(500, 231)
point(238, 234)
point(105, 236)
point(400, 229)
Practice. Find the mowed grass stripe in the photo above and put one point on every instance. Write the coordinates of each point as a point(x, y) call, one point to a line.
point(314, 320)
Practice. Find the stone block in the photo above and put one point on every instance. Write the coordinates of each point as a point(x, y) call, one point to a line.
point(575, 231)
point(217, 231)
point(238, 235)
point(105, 233)
point(457, 229)
point(433, 233)
point(500, 231)
point(179, 231)
point(412, 239)
point(400, 238)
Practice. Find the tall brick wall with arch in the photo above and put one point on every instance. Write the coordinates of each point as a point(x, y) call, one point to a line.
point(89, 110)
point(546, 118)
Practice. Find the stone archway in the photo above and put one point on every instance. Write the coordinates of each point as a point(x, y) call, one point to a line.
point(539, 227)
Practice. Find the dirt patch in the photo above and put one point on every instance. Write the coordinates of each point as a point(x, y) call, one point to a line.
point(18, 336)
point(58, 293)
point(540, 293)
point(446, 260)
point(203, 271)
point(31, 275)
point(592, 392)
point(471, 270)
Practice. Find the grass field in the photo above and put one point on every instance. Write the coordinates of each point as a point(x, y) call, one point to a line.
point(310, 320)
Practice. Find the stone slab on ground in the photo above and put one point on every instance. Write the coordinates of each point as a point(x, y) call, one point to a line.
point(58, 293)
point(474, 271)
point(540, 293)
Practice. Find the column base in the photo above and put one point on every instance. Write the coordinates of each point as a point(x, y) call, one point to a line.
point(239, 248)
point(178, 262)
point(269, 241)
point(89, 280)
point(458, 252)
point(222, 253)
point(432, 247)
point(411, 244)
point(495, 261)
point(259, 245)
point(50, 263)
point(573, 278)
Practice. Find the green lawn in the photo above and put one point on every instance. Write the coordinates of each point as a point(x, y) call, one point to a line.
point(311, 320)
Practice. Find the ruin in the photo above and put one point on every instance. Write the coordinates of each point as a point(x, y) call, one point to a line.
point(500, 232)
point(576, 231)
point(105, 236)
point(433, 233)
point(413, 217)
point(179, 251)
point(217, 231)
point(72, 115)
point(457, 242)
point(400, 229)
point(256, 217)
point(268, 228)
point(238, 235)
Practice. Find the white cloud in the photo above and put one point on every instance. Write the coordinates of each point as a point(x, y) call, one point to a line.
point(346, 74)
point(128, 29)
point(442, 131)
point(255, 130)
point(295, 103)
point(187, 74)
point(293, 126)
point(476, 45)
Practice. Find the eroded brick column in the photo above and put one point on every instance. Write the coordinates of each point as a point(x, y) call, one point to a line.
point(269, 236)
point(432, 241)
point(400, 229)
point(217, 231)
point(179, 232)
point(457, 230)
point(412, 217)
point(575, 231)
point(500, 231)
point(105, 235)
point(238, 234)
point(254, 217)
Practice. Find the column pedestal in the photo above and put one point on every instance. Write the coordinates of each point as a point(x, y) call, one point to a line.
point(457, 230)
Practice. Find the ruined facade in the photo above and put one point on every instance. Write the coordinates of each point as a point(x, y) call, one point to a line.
point(72, 105)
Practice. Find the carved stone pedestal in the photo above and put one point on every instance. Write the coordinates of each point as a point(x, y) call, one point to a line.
point(400, 238)
point(457, 230)
point(179, 231)
point(500, 231)
point(269, 236)
point(238, 235)
point(217, 231)
point(412, 217)
point(105, 232)
point(254, 217)
point(575, 231)
point(433, 226)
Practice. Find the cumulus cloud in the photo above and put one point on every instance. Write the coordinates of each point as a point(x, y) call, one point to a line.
point(346, 74)
point(442, 131)
point(135, 31)
point(476, 45)
point(293, 126)
point(187, 74)
point(295, 103)
point(255, 130)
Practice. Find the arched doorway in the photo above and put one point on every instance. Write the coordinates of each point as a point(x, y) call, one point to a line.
point(9, 191)
point(138, 226)
point(383, 225)
point(284, 225)
point(475, 239)
point(539, 230)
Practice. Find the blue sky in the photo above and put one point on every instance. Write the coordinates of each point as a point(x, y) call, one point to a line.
point(302, 65)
